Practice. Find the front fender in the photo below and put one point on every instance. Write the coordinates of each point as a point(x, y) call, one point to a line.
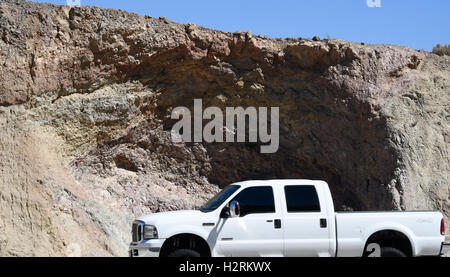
point(186, 229)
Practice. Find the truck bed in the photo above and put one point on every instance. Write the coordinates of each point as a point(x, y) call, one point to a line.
point(421, 227)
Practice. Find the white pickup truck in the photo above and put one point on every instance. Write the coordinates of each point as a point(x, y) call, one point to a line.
point(285, 218)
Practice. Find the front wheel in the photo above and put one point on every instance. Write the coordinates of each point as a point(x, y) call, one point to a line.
point(184, 253)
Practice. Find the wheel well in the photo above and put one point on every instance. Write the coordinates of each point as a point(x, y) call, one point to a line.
point(391, 238)
point(185, 241)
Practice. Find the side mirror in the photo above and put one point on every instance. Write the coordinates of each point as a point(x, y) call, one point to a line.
point(235, 209)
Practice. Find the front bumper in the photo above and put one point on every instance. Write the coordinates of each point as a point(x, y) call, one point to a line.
point(147, 248)
point(445, 249)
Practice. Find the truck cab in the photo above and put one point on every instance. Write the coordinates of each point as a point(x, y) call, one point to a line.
point(280, 218)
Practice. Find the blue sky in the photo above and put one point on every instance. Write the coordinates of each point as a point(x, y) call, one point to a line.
point(414, 23)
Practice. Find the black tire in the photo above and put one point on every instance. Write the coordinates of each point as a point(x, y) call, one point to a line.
point(184, 253)
point(388, 252)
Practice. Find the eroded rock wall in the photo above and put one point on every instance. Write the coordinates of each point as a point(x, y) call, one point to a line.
point(86, 96)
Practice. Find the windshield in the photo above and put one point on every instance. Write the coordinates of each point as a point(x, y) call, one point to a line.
point(214, 203)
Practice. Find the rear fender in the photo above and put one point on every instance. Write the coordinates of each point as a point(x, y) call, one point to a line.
point(386, 226)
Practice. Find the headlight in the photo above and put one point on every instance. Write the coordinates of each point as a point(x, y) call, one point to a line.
point(150, 232)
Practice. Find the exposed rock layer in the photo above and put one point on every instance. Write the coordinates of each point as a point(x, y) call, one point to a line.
point(87, 93)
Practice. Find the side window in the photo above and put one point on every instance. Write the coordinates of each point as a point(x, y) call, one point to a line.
point(301, 199)
point(256, 200)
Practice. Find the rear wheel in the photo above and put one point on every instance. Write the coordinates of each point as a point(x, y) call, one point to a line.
point(375, 251)
point(184, 253)
point(391, 252)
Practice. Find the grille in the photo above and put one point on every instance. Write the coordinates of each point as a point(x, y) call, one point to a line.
point(136, 231)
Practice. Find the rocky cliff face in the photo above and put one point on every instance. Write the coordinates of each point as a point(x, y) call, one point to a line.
point(86, 96)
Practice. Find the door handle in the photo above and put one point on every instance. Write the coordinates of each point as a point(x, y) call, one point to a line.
point(277, 223)
point(323, 223)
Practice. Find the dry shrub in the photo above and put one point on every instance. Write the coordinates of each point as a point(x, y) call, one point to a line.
point(442, 50)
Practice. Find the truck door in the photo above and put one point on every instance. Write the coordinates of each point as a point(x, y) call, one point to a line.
point(305, 221)
point(258, 231)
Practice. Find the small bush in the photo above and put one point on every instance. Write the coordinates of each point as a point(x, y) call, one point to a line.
point(442, 50)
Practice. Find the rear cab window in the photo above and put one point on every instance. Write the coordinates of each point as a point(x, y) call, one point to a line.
point(301, 199)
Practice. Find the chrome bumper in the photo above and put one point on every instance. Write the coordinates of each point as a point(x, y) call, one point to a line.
point(148, 248)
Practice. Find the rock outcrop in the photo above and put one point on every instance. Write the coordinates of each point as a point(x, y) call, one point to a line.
point(86, 96)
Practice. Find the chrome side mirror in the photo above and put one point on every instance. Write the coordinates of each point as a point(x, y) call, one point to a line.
point(235, 209)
